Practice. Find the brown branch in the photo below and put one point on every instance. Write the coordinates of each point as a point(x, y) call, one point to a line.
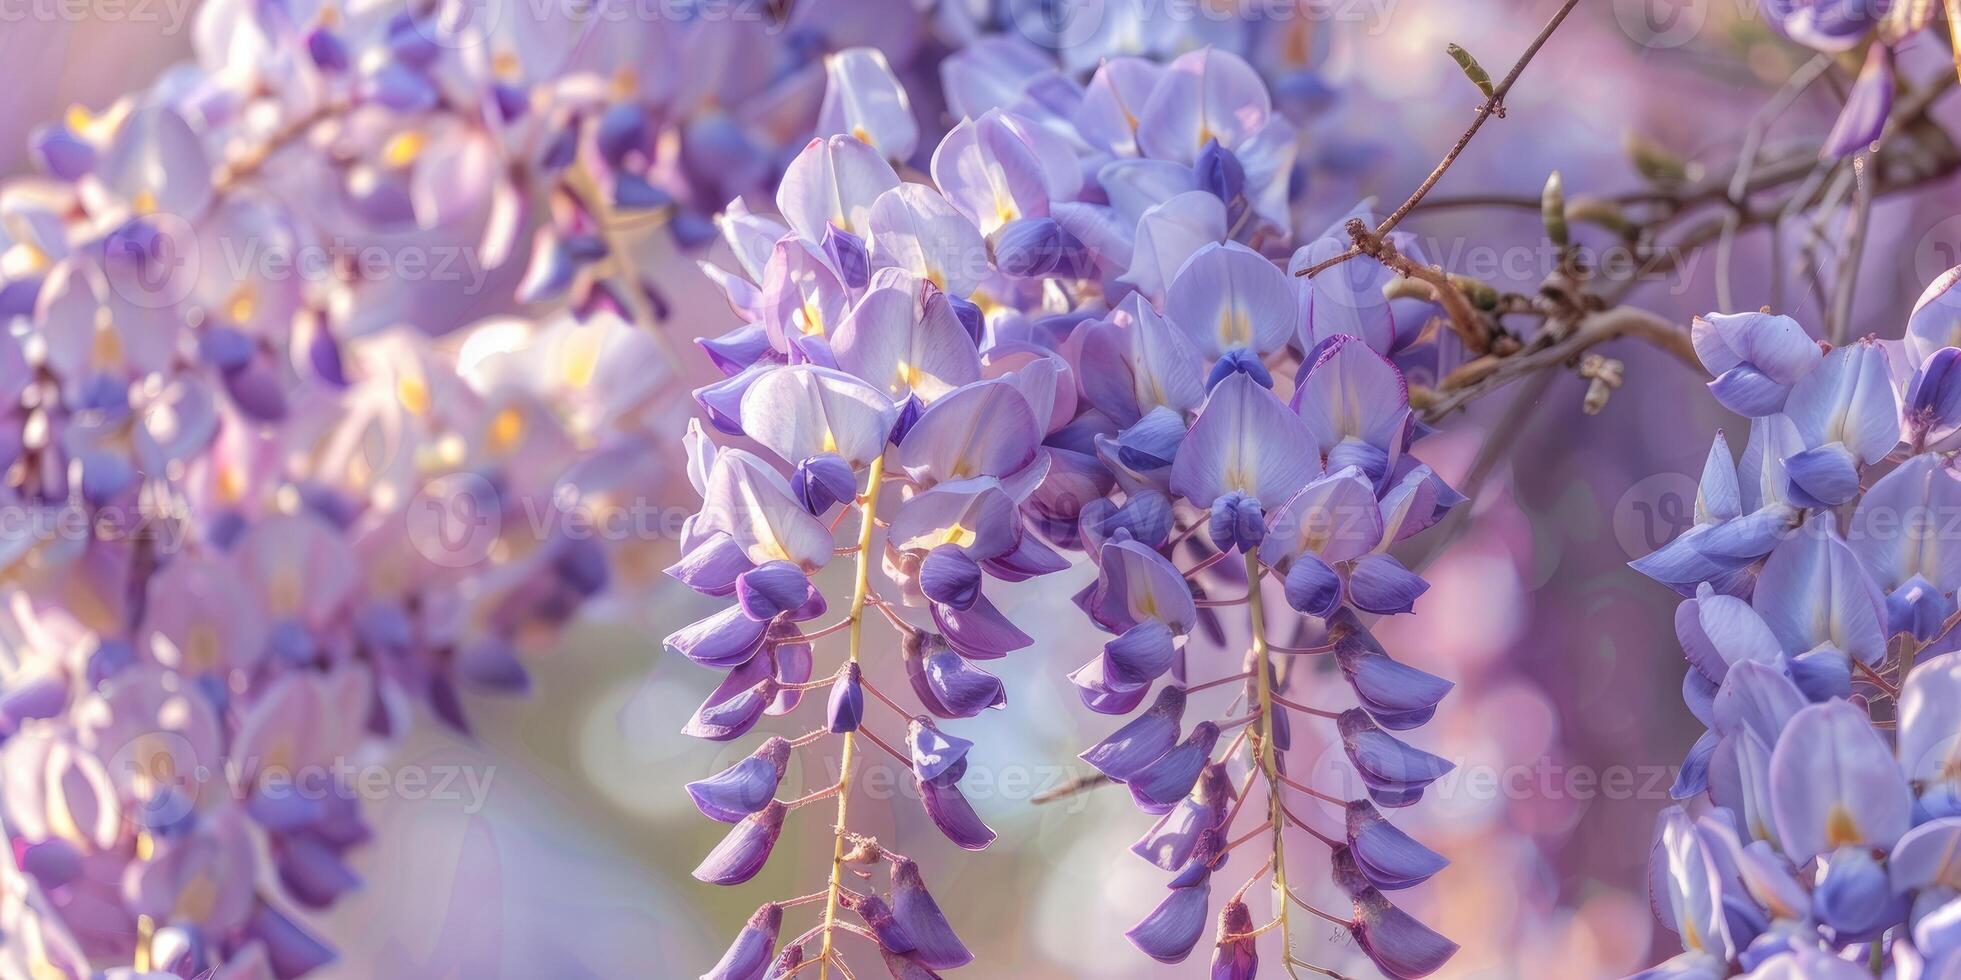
point(1487, 374)
point(1471, 328)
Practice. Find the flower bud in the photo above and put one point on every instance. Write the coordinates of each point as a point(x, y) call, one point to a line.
point(846, 708)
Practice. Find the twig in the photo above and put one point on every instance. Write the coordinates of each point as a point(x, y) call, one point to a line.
point(1465, 321)
point(1076, 785)
point(1799, 82)
point(1492, 105)
point(1490, 373)
point(1855, 250)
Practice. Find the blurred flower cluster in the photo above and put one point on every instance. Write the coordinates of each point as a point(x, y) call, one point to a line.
point(1819, 626)
point(281, 471)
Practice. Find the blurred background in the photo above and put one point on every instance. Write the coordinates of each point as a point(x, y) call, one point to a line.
point(558, 842)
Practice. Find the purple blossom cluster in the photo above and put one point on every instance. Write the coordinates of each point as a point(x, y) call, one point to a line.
point(288, 471)
point(1819, 623)
point(270, 492)
point(1070, 334)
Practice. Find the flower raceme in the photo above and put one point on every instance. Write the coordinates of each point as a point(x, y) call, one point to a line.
point(1818, 624)
point(310, 483)
point(1066, 336)
point(244, 347)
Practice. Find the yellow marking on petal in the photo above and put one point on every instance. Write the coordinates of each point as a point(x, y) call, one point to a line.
point(811, 318)
point(413, 394)
point(830, 441)
point(581, 358)
point(1147, 606)
point(24, 258)
point(197, 899)
point(858, 133)
point(1840, 828)
point(988, 304)
point(146, 846)
point(145, 202)
point(626, 81)
point(403, 148)
point(78, 118)
point(242, 303)
point(88, 606)
point(107, 350)
point(1235, 327)
point(1237, 478)
point(1295, 49)
point(201, 648)
point(909, 375)
point(146, 930)
point(283, 592)
point(1691, 937)
point(1004, 208)
point(506, 429)
point(958, 535)
point(231, 483)
point(278, 756)
point(504, 64)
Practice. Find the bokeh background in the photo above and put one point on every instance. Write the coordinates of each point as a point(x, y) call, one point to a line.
point(562, 842)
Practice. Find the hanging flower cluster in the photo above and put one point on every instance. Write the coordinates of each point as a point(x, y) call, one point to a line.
point(1068, 339)
point(289, 477)
point(273, 483)
point(1819, 630)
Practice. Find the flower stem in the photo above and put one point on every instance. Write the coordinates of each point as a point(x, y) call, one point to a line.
point(1264, 749)
point(868, 509)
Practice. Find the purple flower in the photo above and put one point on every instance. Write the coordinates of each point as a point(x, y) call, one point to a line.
point(745, 849)
point(1833, 783)
point(1237, 957)
point(934, 943)
point(1394, 772)
point(845, 710)
point(744, 788)
point(749, 956)
point(1142, 741)
point(1756, 358)
point(1396, 943)
point(1170, 932)
point(1389, 858)
point(1160, 784)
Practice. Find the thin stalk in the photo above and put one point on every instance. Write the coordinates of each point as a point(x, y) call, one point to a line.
point(1263, 746)
point(868, 509)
